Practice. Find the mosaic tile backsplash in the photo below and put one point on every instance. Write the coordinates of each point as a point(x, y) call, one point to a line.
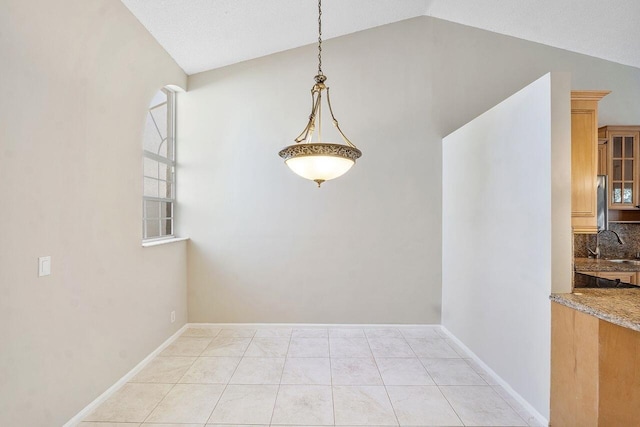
point(609, 246)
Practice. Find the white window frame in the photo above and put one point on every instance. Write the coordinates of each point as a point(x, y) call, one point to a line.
point(170, 162)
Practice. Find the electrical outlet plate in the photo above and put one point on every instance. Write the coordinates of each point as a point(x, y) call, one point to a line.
point(173, 316)
point(44, 266)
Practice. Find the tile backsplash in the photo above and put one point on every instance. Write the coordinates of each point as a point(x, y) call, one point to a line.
point(609, 246)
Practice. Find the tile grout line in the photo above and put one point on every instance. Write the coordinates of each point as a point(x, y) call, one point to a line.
point(484, 386)
point(477, 373)
point(380, 373)
point(436, 384)
point(451, 405)
point(232, 374)
point(175, 384)
point(275, 402)
point(333, 402)
point(219, 397)
point(199, 356)
point(486, 383)
point(157, 404)
point(508, 404)
point(419, 360)
point(482, 373)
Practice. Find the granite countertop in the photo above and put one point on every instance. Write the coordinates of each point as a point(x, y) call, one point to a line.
point(592, 264)
point(618, 306)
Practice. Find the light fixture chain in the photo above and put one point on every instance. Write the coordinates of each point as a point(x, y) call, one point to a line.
point(320, 161)
point(319, 37)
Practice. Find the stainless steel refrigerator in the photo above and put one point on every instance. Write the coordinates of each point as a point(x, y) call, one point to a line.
point(603, 214)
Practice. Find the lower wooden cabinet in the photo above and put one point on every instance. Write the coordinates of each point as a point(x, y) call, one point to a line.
point(595, 374)
point(623, 276)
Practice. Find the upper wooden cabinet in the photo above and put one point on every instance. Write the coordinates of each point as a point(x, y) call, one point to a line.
point(603, 156)
point(584, 159)
point(623, 165)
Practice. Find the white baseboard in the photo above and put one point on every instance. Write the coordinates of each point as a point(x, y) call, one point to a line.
point(122, 381)
point(498, 379)
point(311, 325)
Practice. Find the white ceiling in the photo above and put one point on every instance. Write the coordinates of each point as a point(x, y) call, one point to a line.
point(205, 34)
point(608, 29)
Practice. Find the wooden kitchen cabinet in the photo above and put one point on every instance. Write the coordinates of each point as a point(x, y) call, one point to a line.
point(584, 160)
point(623, 165)
point(623, 276)
point(595, 379)
point(603, 157)
point(574, 368)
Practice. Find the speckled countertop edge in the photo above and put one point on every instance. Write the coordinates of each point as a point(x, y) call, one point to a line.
point(618, 306)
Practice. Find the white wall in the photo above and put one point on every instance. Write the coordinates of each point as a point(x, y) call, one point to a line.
point(76, 80)
point(507, 223)
point(267, 246)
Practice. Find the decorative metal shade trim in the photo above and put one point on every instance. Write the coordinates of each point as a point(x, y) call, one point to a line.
point(323, 149)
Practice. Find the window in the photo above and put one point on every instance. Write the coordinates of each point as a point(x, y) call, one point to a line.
point(159, 181)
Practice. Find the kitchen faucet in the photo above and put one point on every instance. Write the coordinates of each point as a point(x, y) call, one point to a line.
point(596, 252)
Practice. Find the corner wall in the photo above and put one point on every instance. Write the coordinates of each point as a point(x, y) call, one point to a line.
point(505, 212)
point(77, 78)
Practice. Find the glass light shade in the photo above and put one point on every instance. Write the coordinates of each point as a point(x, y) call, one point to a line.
point(320, 168)
point(320, 161)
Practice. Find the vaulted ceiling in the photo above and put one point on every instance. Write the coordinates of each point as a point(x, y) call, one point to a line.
point(206, 34)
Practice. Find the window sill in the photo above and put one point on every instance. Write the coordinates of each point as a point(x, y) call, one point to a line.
point(159, 242)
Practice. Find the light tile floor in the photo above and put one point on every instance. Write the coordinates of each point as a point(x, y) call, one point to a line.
point(311, 377)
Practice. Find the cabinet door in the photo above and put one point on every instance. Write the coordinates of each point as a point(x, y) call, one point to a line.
point(623, 276)
point(584, 160)
point(589, 273)
point(623, 170)
point(603, 158)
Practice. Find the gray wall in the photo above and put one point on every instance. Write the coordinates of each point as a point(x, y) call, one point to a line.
point(267, 246)
point(76, 81)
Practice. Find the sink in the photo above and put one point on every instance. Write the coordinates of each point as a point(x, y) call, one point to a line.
point(625, 261)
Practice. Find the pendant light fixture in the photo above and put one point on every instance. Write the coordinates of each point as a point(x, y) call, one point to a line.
point(320, 161)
